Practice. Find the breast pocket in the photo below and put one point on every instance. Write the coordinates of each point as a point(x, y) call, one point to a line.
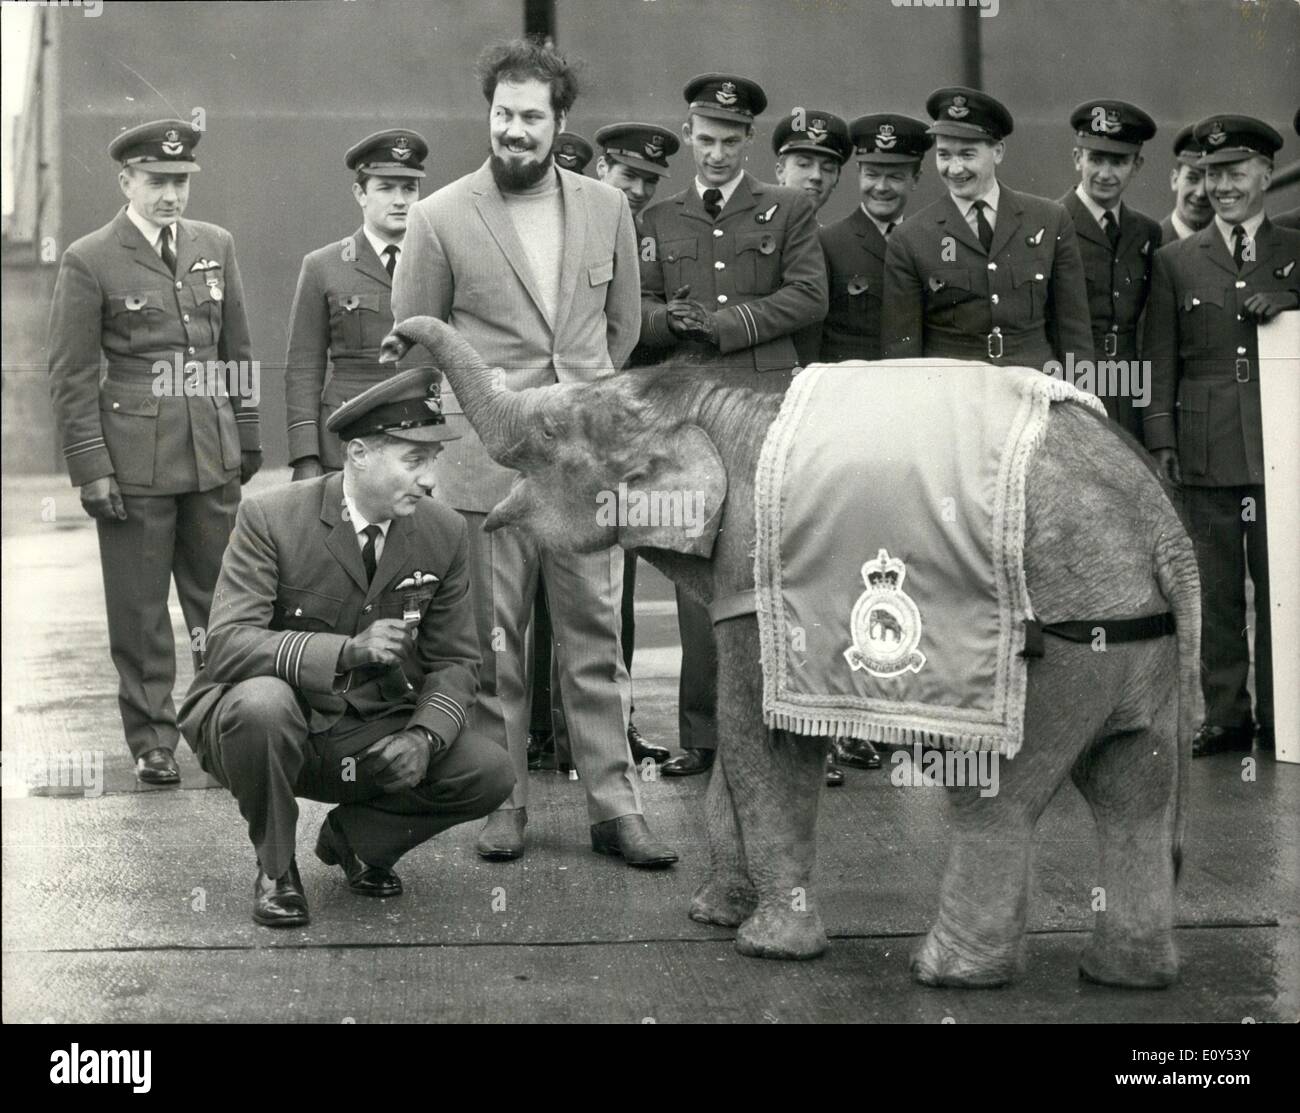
point(358, 322)
point(1201, 311)
point(129, 418)
point(678, 259)
point(601, 274)
point(1029, 285)
point(206, 295)
point(1193, 426)
point(945, 290)
point(302, 608)
point(138, 318)
point(758, 264)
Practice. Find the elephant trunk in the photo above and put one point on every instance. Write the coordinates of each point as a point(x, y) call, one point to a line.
point(499, 416)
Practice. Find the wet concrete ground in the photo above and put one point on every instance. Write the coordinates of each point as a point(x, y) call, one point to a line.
point(133, 904)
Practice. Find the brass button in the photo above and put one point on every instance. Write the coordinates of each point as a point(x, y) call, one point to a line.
point(997, 328)
point(185, 316)
point(297, 613)
point(717, 231)
point(994, 299)
point(1240, 284)
point(719, 266)
point(180, 285)
point(1241, 351)
point(722, 299)
point(117, 405)
point(993, 266)
point(367, 609)
point(190, 350)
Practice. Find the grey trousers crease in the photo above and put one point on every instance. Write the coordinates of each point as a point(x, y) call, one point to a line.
point(1227, 547)
point(257, 743)
point(584, 594)
point(164, 536)
point(697, 690)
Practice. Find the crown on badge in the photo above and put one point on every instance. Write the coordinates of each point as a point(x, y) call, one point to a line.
point(654, 146)
point(1217, 134)
point(884, 572)
point(402, 148)
point(958, 107)
point(726, 94)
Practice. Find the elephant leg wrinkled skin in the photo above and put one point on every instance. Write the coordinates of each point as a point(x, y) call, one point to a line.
point(1129, 780)
point(977, 940)
point(727, 896)
point(775, 779)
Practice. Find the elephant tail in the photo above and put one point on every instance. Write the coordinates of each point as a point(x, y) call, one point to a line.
point(1180, 583)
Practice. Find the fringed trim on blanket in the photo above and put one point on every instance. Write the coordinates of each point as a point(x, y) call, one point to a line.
point(892, 733)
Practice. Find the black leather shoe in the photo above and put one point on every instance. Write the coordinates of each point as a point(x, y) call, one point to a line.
point(834, 774)
point(541, 745)
point(629, 838)
point(1266, 739)
point(157, 767)
point(688, 763)
point(641, 749)
point(368, 881)
point(280, 901)
point(1218, 740)
point(857, 753)
point(502, 837)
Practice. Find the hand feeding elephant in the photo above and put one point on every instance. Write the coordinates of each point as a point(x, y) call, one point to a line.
point(1101, 539)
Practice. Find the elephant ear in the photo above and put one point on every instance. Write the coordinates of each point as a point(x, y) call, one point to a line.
point(674, 501)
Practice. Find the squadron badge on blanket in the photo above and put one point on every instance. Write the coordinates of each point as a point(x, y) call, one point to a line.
point(885, 624)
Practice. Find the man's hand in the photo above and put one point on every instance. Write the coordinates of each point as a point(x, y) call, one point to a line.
point(102, 498)
point(384, 642)
point(309, 467)
point(1264, 306)
point(249, 464)
point(1167, 462)
point(686, 318)
point(397, 761)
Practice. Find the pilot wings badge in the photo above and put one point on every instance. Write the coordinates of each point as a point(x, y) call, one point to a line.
point(885, 624)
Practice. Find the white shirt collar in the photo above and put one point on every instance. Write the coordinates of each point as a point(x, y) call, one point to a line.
point(1251, 226)
point(358, 521)
point(149, 230)
point(1097, 210)
point(990, 198)
point(1181, 227)
point(379, 245)
point(881, 226)
point(727, 190)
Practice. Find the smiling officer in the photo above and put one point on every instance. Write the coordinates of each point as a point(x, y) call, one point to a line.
point(341, 311)
point(159, 468)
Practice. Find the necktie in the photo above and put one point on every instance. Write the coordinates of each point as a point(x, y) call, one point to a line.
point(1111, 227)
point(368, 550)
point(1238, 245)
point(168, 255)
point(390, 258)
point(982, 226)
point(890, 227)
point(713, 202)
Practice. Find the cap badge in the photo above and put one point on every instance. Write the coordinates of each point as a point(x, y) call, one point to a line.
point(654, 146)
point(727, 93)
point(817, 131)
point(1217, 134)
point(958, 110)
point(569, 149)
point(172, 144)
point(1103, 122)
point(885, 137)
point(434, 405)
point(402, 148)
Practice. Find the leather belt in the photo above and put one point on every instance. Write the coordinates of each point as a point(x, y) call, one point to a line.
point(1116, 630)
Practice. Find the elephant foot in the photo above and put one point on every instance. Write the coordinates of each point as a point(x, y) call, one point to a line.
point(1131, 964)
point(942, 961)
point(726, 903)
point(782, 933)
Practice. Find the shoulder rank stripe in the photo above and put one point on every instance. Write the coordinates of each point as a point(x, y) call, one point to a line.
point(288, 657)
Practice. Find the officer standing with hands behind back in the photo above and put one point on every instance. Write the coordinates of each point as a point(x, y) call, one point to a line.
point(159, 462)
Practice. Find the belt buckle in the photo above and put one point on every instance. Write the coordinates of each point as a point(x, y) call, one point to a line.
point(995, 341)
point(1111, 344)
point(1243, 370)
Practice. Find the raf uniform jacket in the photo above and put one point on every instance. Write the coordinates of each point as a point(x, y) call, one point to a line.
point(759, 268)
point(293, 589)
point(115, 297)
point(1117, 293)
point(341, 307)
point(463, 263)
point(1205, 358)
point(1023, 303)
point(855, 275)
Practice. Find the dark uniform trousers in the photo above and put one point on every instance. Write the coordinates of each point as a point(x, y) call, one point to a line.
point(1119, 282)
point(1205, 403)
point(1022, 303)
point(342, 310)
point(175, 455)
point(271, 716)
point(257, 743)
point(760, 268)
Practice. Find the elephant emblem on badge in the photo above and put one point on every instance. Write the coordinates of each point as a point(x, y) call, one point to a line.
point(885, 624)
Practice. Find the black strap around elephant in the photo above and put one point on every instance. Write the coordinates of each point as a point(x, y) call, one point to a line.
point(1112, 630)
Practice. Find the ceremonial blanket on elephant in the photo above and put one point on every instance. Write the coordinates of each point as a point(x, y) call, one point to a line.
point(891, 593)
